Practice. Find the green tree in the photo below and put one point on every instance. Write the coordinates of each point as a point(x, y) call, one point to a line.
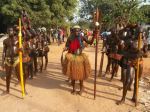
point(61, 10)
point(146, 12)
point(114, 11)
point(41, 12)
point(38, 11)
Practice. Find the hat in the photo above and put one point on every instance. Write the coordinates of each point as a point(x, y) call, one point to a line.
point(76, 27)
point(43, 29)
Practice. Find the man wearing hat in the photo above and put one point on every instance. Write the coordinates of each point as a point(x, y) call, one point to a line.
point(76, 64)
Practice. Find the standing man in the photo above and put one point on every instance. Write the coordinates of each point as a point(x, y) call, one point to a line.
point(10, 58)
point(76, 64)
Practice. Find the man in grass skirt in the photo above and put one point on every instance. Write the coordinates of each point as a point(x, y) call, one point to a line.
point(76, 64)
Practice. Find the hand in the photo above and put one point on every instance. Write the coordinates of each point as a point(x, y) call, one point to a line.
point(140, 54)
point(20, 49)
point(2, 68)
point(65, 49)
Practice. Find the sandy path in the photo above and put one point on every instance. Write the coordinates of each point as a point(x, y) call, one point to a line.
point(48, 92)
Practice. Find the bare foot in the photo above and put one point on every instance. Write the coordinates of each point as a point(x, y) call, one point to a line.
point(4, 93)
point(120, 88)
point(133, 100)
point(116, 75)
point(130, 89)
point(120, 102)
point(67, 80)
point(104, 75)
point(26, 93)
point(110, 80)
point(16, 84)
point(30, 77)
point(73, 92)
point(80, 92)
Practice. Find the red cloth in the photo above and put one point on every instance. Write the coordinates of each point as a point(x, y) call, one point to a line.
point(116, 56)
point(74, 45)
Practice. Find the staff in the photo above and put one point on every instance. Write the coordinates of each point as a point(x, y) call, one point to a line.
point(138, 63)
point(20, 58)
point(96, 19)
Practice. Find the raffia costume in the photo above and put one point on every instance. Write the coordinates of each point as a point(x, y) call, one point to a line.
point(76, 64)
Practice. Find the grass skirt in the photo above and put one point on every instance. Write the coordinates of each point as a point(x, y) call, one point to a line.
point(76, 67)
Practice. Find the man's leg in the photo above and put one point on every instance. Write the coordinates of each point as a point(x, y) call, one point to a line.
point(81, 87)
point(8, 77)
point(41, 63)
point(135, 82)
point(108, 65)
point(35, 64)
point(30, 67)
point(46, 60)
point(126, 82)
point(73, 85)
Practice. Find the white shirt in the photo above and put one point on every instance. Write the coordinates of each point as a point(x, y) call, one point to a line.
point(148, 40)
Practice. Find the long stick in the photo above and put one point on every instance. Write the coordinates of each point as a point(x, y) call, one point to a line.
point(20, 59)
point(96, 50)
point(95, 77)
point(137, 74)
point(101, 62)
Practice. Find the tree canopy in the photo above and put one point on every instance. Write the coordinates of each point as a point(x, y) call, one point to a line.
point(41, 12)
point(115, 11)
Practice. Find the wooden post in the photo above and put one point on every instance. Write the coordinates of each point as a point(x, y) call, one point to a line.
point(137, 74)
point(96, 19)
point(101, 63)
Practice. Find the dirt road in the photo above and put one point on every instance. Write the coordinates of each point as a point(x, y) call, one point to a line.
point(48, 91)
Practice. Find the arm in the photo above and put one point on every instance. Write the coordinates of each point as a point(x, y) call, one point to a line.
point(67, 45)
point(84, 38)
point(4, 53)
point(133, 55)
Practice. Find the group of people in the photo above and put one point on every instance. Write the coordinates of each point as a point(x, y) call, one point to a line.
point(57, 35)
point(34, 49)
point(123, 49)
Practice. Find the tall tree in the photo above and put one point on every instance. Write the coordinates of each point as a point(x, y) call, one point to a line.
point(146, 12)
point(114, 11)
point(41, 12)
point(61, 10)
point(38, 11)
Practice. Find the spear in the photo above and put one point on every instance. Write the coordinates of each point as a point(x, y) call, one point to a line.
point(137, 74)
point(20, 59)
point(96, 19)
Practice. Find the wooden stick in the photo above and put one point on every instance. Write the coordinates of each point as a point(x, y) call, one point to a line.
point(101, 63)
point(96, 51)
point(137, 74)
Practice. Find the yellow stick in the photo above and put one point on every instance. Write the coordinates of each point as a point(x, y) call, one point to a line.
point(137, 74)
point(20, 59)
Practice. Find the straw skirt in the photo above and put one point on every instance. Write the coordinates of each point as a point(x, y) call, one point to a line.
point(76, 67)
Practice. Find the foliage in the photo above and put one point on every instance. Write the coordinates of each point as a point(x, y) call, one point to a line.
point(146, 12)
point(114, 11)
point(41, 12)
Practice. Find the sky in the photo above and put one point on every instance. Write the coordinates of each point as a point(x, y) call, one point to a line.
point(76, 14)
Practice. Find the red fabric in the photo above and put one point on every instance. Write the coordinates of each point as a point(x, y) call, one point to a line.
point(74, 45)
point(115, 56)
point(88, 33)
